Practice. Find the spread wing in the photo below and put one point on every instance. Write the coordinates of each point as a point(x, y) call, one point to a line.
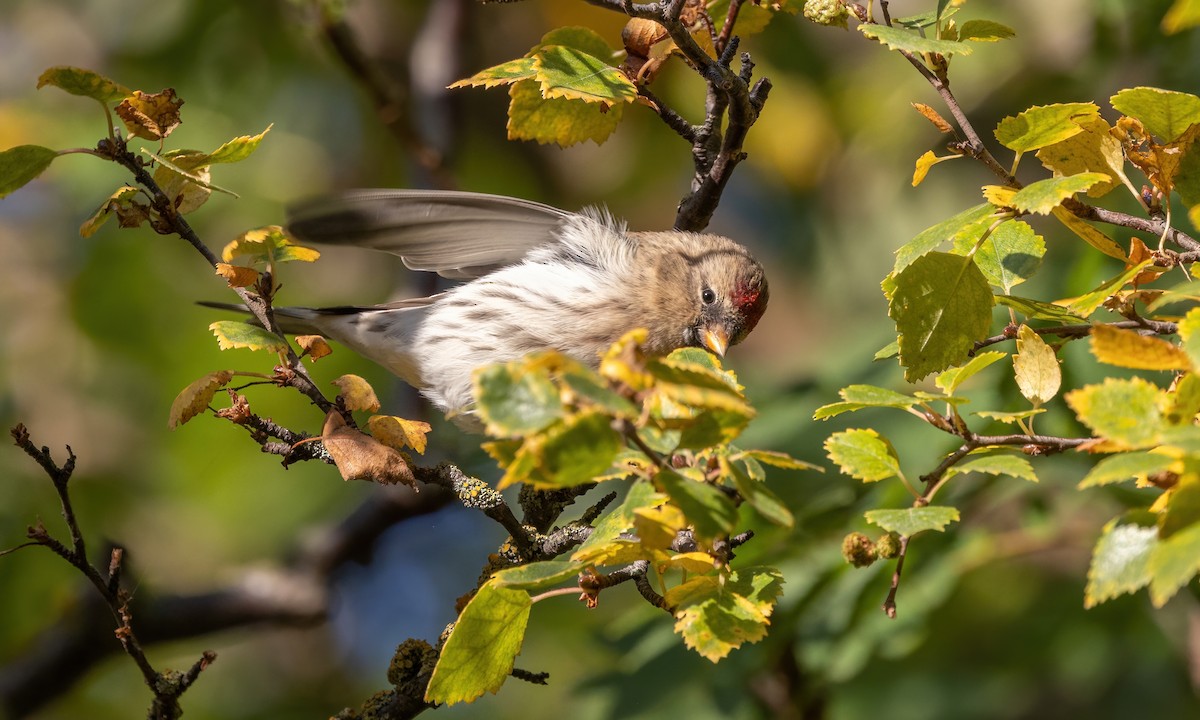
point(458, 235)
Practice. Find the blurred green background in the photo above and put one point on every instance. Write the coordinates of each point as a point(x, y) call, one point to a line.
point(98, 335)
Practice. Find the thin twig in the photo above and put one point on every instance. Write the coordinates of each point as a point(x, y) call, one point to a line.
point(889, 604)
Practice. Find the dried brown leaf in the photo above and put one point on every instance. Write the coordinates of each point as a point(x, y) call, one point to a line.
point(361, 457)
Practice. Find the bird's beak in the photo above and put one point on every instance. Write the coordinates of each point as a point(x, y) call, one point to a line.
point(715, 339)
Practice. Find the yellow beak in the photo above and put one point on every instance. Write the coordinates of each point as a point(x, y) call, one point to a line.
point(716, 340)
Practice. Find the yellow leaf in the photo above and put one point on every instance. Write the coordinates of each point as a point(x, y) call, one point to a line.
point(187, 184)
point(656, 527)
point(925, 162)
point(122, 199)
point(1093, 150)
point(999, 195)
point(932, 116)
point(194, 398)
point(398, 432)
point(625, 362)
point(1090, 235)
point(267, 244)
point(357, 393)
point(236, 275)
point(151, 116)
point(1036, 367)
point(696, 562)
point(313, 346)
point(1126, 348)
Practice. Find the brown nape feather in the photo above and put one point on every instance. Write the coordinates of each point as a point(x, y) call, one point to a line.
point(675, 269)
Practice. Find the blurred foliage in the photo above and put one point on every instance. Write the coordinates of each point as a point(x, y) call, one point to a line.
point(98, 335)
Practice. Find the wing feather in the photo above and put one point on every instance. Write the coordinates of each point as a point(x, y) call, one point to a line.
point(458, 235)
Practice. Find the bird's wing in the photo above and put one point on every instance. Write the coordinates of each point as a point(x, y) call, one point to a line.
point(458, 235)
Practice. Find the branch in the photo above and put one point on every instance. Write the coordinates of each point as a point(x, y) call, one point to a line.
point(732, 103)
point(889, 604)
point(293, 595)
point(166, 687)
point(1146, 326)
point(117, 151)
point(391, 94)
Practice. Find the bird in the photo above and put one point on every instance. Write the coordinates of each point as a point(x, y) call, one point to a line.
point(535, 278)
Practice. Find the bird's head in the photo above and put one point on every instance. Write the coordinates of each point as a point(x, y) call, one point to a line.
point(731, 296)
point(713, 291)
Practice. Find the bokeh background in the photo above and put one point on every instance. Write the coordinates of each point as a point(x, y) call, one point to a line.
point(98, 335)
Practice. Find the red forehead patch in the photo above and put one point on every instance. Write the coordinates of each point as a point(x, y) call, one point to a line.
point(750, 299)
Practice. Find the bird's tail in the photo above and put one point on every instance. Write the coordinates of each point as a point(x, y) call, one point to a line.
point(291, 320)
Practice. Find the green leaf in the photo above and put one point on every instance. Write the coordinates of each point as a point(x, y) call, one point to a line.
point(578, 37)
point(697, 387)
point(968, 225)
point(84, 83)
point(502, 74)
point(479, 654)
point(984, 31)
point(1189, 333)
point(194, 399)
point(514, 400)
point(1000, 464)
point(233, 334)
point(641, 495)
point(1183, 507)
point(1185, 400)
point(590, 387)
point(758, 496)
point(1009, 256)
point(857, 397)
point(1093, 150)
point(238, 149)
point(1087, 303)
point(122, 198)
point(863, 454)
point(560, 121)
point(949, 380)
point(1174, 562)
point(186, 164)
point(1121, 559)
point(565, 72)
point(1008, 417)
point(890, 350)
point(1125, 466)
point(715, 617)
point(537, 574)
point(1035, 367)
point(927, 18)
point(907, 41)
point(910, 521)
point(21, 164)
point(942, 306)
point(1038, 310)
point(575, 452)
point(1126, 411)
point(707, 509)
point(1043, 125)
point(1165, 113)
point(777, 459)
point(1044, 195)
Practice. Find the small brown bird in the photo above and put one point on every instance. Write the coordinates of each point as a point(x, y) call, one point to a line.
point(539, 278)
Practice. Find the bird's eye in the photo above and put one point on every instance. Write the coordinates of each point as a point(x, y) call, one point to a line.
point(707, 296)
